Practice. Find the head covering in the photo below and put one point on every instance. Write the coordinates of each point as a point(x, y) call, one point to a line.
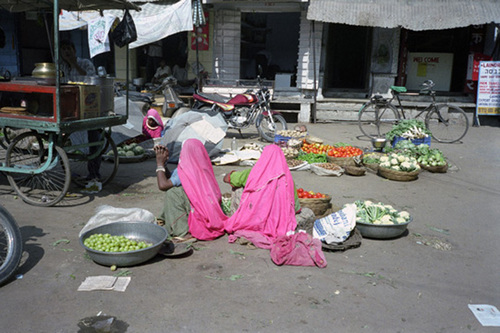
point(152, 132)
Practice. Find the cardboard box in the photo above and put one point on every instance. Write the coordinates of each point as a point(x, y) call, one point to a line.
point(89, 101)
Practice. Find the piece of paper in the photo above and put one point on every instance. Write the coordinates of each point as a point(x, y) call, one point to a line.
point(105, 282)
point(488, 315)
point(206, 130)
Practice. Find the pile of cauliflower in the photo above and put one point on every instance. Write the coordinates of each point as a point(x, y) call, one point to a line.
point(379, 213)
point(399, 162)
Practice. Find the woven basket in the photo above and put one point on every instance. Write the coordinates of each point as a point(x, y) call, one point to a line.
point(436, 169)
point(398, 175)
point(354, 170)
point(373, 166)
point(318, 205)
point(345, 161)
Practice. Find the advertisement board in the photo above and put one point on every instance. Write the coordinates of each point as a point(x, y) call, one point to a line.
point(429, 66)
point(488, 89)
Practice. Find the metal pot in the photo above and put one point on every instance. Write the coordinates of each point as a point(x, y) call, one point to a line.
point(44, 70)
point(107, 91)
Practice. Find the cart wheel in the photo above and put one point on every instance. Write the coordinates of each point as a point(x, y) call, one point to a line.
point(8, 134)
point(79, 162)
point(44, 189)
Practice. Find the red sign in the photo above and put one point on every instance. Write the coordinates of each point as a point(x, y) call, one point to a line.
point(202, 34)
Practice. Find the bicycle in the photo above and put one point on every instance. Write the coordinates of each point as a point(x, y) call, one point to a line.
point(11, 245)
point(447, 123)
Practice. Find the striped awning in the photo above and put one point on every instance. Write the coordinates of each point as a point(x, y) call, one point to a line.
point(410, 14)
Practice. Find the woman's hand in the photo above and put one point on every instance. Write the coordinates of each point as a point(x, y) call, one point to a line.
point(161, 155)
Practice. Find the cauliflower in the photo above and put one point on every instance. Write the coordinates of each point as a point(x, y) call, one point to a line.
point(386, 219)
point(405, 166)
point(395, 167)
point(368, 203)
point(384, 159)
point(404, 214)
point(394, 161)
point(401, 158)
point(400, 220)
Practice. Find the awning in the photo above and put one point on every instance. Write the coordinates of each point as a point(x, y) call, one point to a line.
point(72, 5)
point(155, 21)
point(410, 14)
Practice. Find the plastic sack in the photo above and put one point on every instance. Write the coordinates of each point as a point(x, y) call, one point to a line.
point(107, 214)
point(125, 32)
point(325, 172)
point(336, 227)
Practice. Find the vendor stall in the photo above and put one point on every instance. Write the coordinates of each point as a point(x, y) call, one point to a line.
point(38, 114)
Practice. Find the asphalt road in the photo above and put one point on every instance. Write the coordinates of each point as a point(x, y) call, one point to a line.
point(421, 282)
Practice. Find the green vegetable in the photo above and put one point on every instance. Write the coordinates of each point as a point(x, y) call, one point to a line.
point(138, 150)
point(408, 128)
point(313, 158)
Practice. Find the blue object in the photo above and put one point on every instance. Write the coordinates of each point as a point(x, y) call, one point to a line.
point(416, 142)
point(174, 178)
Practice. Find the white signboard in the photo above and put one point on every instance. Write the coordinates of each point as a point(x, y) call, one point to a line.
point(488, 88)
point(429, 66)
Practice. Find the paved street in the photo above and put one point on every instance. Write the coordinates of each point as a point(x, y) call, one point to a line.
point(421, 282)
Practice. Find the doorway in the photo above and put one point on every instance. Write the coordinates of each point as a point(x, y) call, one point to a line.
point(270, 40)
point(347, 58)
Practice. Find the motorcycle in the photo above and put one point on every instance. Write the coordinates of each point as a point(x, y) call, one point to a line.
point(244, 110)
point(11, 245)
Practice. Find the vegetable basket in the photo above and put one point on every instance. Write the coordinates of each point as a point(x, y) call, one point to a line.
point(372, 156)
point(435, 169)
point(398, 175)
point(318, 205)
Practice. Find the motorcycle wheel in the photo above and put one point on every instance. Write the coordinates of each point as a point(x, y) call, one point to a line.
point(267, 129)
point(11, 245)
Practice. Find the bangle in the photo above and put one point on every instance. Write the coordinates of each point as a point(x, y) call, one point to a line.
point(160, 169)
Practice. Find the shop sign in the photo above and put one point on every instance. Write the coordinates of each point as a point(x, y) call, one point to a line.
point(201, 33)
point(488, 91)
point(424, 66)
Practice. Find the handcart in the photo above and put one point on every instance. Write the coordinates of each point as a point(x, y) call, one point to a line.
point(39, 120)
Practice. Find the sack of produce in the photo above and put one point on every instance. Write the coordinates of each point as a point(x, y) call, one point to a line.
point(336, 227)
point(326, 169)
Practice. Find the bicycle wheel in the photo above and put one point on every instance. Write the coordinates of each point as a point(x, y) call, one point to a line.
point(79, 162)
point(267, 129)
point(11, 245)
point(447, 123)
point(376, 120)
point(43, 189)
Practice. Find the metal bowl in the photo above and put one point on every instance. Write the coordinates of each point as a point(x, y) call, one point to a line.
point(382, 231)
point(138, 231)
point(379, 143)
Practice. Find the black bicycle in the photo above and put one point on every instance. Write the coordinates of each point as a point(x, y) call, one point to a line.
point(447, 123)
point(11, 245)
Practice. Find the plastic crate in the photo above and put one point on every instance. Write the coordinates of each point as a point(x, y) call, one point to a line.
point(426, 140)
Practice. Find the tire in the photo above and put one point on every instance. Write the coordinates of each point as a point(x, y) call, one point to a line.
point(41, 189)
point(180, 111)
point(78, 159)
point(447, 123)
point(267, 130)
point(11, 246)
point(376, 120)
point(8, 134)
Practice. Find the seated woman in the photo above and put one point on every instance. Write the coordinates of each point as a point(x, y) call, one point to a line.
point(266, 210)
point(152, 124)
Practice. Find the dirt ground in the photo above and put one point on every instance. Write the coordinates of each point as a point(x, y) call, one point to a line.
point(420, 282)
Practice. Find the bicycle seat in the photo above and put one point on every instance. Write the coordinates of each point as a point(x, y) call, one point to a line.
point(399, 89)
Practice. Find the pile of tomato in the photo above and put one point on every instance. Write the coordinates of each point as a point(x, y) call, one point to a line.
point(315, 148)
point(303, 194)
point(346, 151)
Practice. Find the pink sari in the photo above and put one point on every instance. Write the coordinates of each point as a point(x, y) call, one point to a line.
point(266, 209)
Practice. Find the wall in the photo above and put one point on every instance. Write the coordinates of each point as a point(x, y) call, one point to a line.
point(8, 54)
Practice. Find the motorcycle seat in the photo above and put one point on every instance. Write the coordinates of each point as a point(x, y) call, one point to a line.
point(214, 97)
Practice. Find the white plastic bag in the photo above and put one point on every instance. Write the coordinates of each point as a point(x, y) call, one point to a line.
point(318, 170)
point(336, 227)
point(106, 214)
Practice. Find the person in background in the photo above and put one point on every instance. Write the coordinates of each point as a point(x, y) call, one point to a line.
point(162, 72)
point(152, 125)
point(72, 66)
point(74, 69)
point(154, 53)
